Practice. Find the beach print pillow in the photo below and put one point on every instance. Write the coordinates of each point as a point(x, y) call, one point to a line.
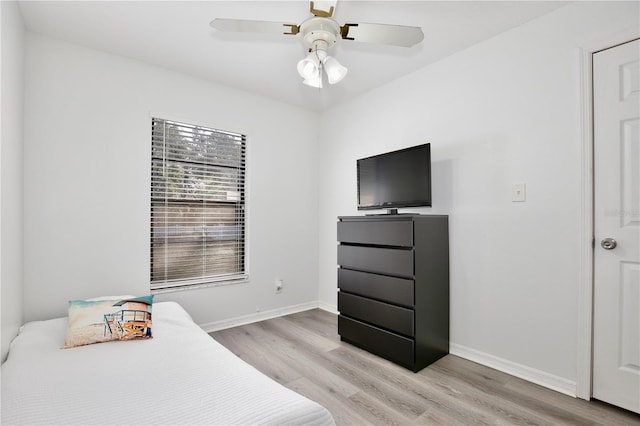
point(98, 320)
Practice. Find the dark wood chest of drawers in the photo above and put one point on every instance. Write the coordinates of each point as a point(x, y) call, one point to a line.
point(393, 281)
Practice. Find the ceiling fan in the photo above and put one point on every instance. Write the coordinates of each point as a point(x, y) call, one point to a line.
point(319, 33)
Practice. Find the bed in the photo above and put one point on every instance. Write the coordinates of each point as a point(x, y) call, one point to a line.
point(180, 376)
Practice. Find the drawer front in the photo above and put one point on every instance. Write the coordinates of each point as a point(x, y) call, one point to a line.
point(391, 317)
point(374, 259)
point(381, 287)
point(383, 343)
point(385, 233)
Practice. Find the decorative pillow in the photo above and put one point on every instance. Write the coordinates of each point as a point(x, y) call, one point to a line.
point(97, 321)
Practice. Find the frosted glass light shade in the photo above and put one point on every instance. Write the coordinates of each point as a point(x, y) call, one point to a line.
point(335, 71)
point(314, 81)
point(309, 66)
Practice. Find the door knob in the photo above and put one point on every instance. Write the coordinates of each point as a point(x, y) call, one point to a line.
point(608, 244)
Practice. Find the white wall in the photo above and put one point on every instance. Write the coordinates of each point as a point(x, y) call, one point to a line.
point(87, 182)
point(11, 211)
point(506, 110)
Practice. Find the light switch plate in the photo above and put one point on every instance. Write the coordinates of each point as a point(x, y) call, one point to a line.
point(518, 192)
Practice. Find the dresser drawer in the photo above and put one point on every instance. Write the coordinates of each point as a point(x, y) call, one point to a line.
point(388, 261)
point(393, 318)
point(383, 343)
point(386, 233)
point(381, 287)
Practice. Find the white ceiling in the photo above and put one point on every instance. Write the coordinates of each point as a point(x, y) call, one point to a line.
point(176, 35)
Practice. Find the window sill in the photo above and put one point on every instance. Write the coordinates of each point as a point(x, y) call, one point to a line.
point(185, 287)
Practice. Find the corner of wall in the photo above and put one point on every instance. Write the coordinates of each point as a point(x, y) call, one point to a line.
point(12, 37)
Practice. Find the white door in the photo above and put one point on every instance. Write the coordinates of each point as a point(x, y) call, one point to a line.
point(616, 310)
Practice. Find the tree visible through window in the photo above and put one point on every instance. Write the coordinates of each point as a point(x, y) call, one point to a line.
point(197, 205)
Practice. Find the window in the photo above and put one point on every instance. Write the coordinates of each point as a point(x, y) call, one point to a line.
point(197, 205)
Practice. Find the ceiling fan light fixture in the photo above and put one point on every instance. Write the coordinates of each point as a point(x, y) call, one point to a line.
point(311, 64)
point(334, 69)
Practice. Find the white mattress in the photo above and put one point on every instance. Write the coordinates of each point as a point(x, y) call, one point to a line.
point(180, 376)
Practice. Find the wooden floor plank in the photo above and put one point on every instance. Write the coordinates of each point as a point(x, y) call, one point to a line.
point(303, 351)
point(245, 337)
point(343, 410)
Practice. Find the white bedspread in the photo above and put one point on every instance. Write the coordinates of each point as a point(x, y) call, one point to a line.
point(181, 376)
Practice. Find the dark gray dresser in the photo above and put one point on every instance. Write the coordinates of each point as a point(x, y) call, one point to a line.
point(393, 281)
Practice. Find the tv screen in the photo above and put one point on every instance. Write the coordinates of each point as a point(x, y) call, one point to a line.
point(395, 179)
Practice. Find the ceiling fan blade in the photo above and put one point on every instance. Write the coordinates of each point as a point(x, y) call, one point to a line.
point(248, 26)
point(395, 35)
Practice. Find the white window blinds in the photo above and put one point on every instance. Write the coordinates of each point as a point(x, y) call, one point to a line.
point(197, 205)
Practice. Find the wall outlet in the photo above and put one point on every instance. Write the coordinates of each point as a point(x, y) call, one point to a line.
point(278, 285)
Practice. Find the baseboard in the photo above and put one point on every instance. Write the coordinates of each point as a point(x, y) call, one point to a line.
point(328, 307)
point(558, 384)
point(258, 316)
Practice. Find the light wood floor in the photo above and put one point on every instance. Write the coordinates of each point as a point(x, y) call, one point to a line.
point(303, 352)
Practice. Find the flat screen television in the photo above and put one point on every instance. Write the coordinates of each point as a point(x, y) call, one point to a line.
point(395, 179)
